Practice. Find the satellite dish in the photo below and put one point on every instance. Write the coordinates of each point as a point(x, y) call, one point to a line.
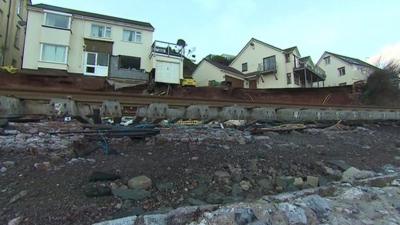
point(181, 43)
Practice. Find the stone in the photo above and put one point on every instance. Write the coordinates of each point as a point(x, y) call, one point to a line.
point(245, 185)
point(16, 221)
point(103, 176)
point(45, 166)
point(3, 169)
point(244, 216)
point(284, 181)
point(9, 164)
point(131, 194)
point(165, 186)
point(140, 182)
point(298, 182)
point(341, 164)
point(352, 174)
point(265, 184)
point(236, 190)
point(215, 198)
point(294, 214)
point(97, 191)
point(319, 205)
point(18, 196)
point(312, 181)
point(222, 176)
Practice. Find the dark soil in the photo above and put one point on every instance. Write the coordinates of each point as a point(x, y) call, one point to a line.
point(56, 196)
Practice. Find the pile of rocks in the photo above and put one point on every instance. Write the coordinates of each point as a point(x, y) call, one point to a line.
point(204, 134)
point(35, 137)
point(360, 198)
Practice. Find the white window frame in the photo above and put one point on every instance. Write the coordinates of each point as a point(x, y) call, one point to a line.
point(340, 71)
point(135, 35)
point(105, 30)
point(327, 60)
point(65, 57)
point(57, 13)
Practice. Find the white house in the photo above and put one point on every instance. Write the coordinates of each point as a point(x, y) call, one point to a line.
point(343, 70)
point(208, 70)
point(91, 44)
point(267, 66)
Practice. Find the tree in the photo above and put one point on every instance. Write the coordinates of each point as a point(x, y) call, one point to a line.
point(382, 88)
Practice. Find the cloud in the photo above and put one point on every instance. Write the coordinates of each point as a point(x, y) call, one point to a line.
point(387, 54)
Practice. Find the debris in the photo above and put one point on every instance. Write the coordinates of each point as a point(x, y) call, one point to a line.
point(140, 182)
point(16, 221)
point(281, 128)
point(18, 196)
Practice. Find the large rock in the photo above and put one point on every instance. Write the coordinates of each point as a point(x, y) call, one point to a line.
point(222, 177)
point(97, 191)
point(312, 181)
point(103, 176)
point(140, 182)
point(319, 205)
point(131, 194)
point(352, 174)
point(294, 214)
point(245, 216)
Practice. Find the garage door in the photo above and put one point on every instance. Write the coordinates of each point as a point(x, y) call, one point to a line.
point(167, 72)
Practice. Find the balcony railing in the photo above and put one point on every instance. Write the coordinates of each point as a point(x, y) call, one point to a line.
point(314, 69)
point(166, 48)
point(265, 69)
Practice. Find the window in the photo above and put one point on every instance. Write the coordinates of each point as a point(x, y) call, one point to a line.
point(289, 78)
point(269, 63)
point(128, 62)
point(132, 36)
point(244, 67)
point(343, 84)
point(287, 57)
point(327, 60)
point(101, 31)
point(57, 20)
point(342, 71)
point(17, 36)
point(54, 53)
point(20, 4)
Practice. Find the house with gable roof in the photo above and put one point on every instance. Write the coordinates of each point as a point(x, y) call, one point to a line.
point(343, 70)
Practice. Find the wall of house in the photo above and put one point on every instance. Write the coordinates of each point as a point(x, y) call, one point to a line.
point(12, 52)
point(254, 55)
point(353, 73)
point(74, 38)
point(117, 72)
point(206, 72)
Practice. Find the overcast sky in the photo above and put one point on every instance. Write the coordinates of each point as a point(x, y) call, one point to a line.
point(357, 28)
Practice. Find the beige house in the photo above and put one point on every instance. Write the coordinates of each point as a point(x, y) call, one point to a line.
point(13, 14)
point(267, 66)
point(91, 44)
point(208, 71)
point(343, 70)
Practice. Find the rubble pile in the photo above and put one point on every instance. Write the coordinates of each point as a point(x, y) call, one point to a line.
point(204, 134)
point(36, 137)
point(374, 200)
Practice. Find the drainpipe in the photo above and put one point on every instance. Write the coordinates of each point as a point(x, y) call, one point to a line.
point(7, 31)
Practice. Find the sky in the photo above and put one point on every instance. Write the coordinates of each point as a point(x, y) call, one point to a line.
point(364, 29)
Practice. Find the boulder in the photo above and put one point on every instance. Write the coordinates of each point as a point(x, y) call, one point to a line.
point(319, 205)
point(312, 181)
point(97, 191)
point(103, 176)
point(244, 216)
point(294, 214)
point(245, 185)
point(352, 174)
point(222, 176)
point(140, 182)
point(298, 182)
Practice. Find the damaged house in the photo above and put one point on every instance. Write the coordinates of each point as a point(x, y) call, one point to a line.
point(90, 44)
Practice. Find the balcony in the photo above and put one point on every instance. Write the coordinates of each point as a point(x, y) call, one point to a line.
point(267, 68)
point(166, 49)
point(315, 73)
